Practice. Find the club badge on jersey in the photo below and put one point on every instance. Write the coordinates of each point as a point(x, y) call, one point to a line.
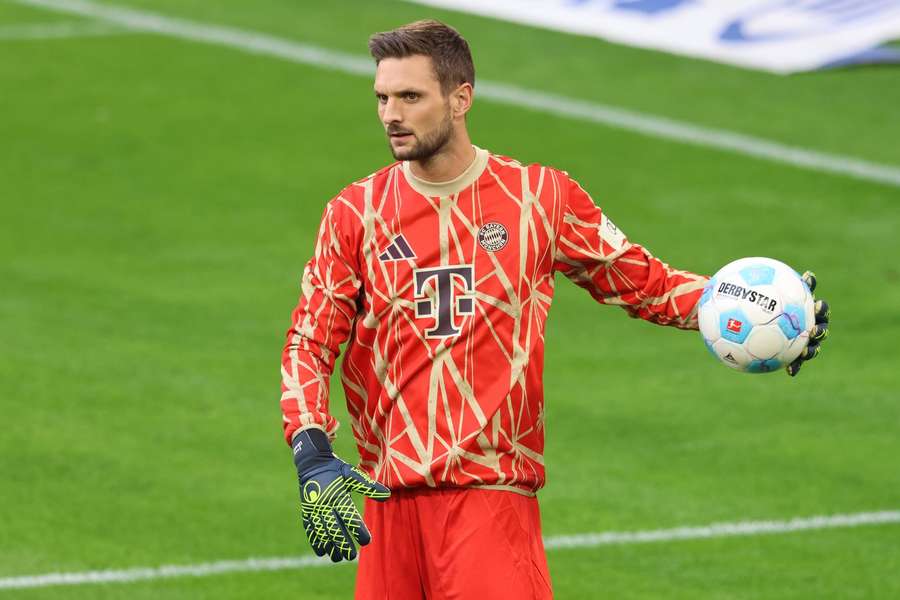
point(493, 237)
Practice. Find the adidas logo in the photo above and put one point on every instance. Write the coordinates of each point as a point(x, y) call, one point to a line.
point(398, 250)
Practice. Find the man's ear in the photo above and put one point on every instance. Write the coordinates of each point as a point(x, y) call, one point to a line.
point(461, 99)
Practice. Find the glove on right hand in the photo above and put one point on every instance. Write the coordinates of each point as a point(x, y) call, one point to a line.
point(330, 518)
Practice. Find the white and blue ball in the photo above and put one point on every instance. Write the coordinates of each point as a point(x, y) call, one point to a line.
point(756, 315)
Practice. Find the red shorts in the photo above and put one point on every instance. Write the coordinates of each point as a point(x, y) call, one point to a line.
point(453, 544)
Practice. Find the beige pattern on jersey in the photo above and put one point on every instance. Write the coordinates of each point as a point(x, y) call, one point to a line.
point(523, 303)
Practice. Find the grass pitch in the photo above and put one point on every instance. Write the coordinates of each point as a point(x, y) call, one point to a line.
point(158, 199)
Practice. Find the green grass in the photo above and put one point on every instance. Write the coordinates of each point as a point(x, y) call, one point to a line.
point(158, 200)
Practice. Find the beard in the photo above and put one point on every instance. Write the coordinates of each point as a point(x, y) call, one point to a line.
point(428, 145)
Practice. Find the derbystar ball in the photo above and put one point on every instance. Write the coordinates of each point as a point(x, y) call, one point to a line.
point(756, 315)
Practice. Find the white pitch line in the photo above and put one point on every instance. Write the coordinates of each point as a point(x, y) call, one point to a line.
point(164, 572)
point(45, 31)
point(589, 540)
point(718, 530)
point(620, 118)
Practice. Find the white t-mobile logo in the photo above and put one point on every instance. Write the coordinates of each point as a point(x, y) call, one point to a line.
point(444, 304)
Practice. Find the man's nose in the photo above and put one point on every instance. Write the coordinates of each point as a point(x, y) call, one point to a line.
point(391, 112)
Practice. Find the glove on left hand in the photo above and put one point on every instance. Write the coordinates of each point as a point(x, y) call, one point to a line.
point(819, 332)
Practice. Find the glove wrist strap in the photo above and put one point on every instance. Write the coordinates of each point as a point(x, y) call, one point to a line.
point(310, 447)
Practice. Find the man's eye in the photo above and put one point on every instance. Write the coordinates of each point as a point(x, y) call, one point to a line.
point(411, 96)
point(381, 98)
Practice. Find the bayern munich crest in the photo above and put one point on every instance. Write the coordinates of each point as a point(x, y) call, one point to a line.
point(493, 236)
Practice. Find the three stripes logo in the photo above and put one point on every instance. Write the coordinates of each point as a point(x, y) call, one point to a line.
point(398, 249)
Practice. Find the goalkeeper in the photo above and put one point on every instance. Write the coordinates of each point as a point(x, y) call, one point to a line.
point(438, 272)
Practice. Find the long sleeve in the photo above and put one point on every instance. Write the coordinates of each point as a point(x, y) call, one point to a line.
point(596, 255)
point(320, 323)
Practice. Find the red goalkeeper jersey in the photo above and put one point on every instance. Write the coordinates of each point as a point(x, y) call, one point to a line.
point(441, 292)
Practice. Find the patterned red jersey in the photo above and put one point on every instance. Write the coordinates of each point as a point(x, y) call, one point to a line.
point(441, 292)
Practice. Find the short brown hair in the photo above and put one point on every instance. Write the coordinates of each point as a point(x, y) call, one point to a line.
point(449, 51)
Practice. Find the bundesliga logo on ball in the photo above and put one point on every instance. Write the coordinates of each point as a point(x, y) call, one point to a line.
point(756, 315)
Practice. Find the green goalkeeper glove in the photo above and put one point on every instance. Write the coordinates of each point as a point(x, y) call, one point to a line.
point(819, 332)
point(330, 518)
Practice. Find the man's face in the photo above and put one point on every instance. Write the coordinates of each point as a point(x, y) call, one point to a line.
point(416, 116)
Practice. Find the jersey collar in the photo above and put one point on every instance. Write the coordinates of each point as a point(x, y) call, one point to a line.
point(455, 185)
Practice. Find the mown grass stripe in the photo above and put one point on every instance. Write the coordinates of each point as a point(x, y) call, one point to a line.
point(588, 540)
point(611, 116)
point(49, 31)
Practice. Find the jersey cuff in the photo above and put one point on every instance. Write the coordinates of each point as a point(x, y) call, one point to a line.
point(304, 428)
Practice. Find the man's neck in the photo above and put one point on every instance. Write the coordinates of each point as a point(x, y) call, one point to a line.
point(448, 164)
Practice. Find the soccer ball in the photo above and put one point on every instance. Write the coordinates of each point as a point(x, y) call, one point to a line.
point(756, 315)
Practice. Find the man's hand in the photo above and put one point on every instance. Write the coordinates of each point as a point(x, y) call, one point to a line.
point(819, 332)
point(329, 516)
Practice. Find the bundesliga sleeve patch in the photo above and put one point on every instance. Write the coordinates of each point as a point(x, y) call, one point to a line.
point(611, 234)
